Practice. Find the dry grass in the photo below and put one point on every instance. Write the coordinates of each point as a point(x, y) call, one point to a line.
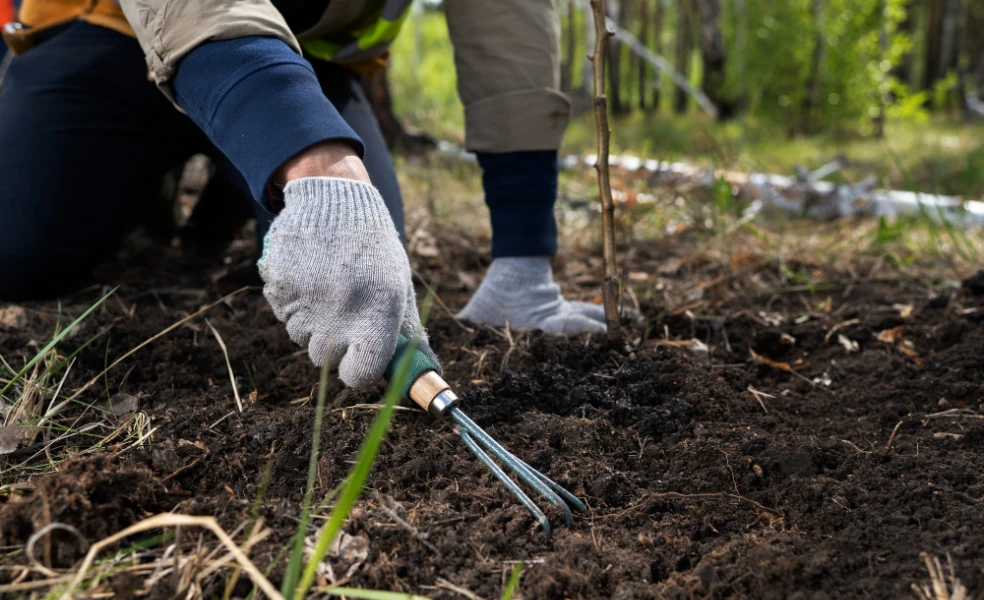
point(715, 222)
point(943, 585)
point(42, 426)
point(187, 569)
point(36, 420)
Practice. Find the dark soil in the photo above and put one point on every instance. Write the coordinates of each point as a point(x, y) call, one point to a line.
point(827, 484)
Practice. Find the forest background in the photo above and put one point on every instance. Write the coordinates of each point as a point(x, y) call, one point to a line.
point(895, 86)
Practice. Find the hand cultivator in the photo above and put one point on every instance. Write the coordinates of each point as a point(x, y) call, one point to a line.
point(426, 388)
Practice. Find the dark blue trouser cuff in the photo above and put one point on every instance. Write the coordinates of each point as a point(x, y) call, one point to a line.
point(520, 190)
point(259, 103)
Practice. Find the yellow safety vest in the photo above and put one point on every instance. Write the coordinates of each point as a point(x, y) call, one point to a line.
point(363, 50)
point(366, 44)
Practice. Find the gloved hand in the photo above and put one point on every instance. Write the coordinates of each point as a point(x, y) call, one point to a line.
point(521, 291)
point(337, 275)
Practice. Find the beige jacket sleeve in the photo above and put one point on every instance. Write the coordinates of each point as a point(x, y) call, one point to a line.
point(507, 56)
point(169, 29)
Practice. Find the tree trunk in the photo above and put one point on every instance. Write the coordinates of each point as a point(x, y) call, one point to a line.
point(979, 77)
point(961, 16)
point(640, 65)
point(567, 63)
point(741, 45)
point(882, 54)
point(658, 15)
point(713, 54)
point(587, 68)
point(933, 48)
point(684, 48)
point(615, 60)
point(812, 100)
point(975, 45)
point(948, 44)
point(904, 70)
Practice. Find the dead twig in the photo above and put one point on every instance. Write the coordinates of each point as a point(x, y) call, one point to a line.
point(888, 444)
point(181, 470)
point(834, 329)
point(40, 533)
point(422, 538)
point(718, 496)
point(758, 395)
point(855, 446)
point(734, 480)
point(225, 353)
point(955, 413)
point(782, 366)
point(170, 520)
point(440, 302)
point(447, 585)
point(942, 586)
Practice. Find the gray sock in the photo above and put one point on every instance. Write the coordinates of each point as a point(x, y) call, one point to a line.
point(520, 291)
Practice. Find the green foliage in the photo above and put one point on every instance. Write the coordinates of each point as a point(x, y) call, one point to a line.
point(771, 68)
point(943, 92)
point(422, 77)
point(889, 232)
point(907, 105)
point(855, 71)
point(513, 582)
point(54, 342)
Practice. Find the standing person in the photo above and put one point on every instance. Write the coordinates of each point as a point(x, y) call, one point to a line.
point(268, 89)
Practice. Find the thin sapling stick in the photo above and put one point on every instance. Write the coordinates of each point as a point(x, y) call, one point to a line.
point(610, 285)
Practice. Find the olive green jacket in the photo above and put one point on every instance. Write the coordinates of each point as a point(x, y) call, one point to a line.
point(506, 53)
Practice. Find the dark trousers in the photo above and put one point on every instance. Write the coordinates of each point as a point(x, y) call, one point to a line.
point(86, 139)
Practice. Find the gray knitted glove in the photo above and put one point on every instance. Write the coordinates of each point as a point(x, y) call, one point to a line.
point(337, 275)
point(520, 291)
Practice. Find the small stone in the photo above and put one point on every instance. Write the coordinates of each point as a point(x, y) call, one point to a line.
point(123, 404)
point(13, 316)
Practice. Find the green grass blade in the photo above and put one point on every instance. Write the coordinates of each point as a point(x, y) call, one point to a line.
point(513, 582)
point(65, 361)
point(297, 554)
point(355, 482)
point(352, 491)
point(254, 511)
point(54, 341)
point(254, 514)
point(109, 398)
point(372, 594)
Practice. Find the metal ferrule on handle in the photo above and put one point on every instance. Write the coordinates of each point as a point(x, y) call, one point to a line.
point(423, 384)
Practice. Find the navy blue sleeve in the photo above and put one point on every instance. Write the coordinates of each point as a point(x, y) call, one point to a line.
point(520, 190)
point(259, 103)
